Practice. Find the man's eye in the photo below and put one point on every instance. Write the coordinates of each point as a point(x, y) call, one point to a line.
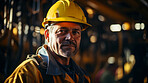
point(61, 31)
point(76, 32)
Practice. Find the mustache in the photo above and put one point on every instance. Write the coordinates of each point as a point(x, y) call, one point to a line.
point(68, 43)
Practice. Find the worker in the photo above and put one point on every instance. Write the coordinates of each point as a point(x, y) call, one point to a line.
point(52, 62)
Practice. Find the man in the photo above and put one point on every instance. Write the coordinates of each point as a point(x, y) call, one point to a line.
point(53, 64)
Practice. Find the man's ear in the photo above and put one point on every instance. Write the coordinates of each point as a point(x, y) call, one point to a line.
point(46, 34)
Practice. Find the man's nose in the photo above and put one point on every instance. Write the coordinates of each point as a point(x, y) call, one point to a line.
point(69, 36)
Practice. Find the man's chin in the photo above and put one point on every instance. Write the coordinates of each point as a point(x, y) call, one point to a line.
point(67, 54)
point(71, 49)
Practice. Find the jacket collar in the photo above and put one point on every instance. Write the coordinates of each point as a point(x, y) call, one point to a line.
point(52, 66)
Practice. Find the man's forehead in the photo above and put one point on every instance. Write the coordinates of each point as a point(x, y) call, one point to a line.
point(67, 25)
point(70, 28)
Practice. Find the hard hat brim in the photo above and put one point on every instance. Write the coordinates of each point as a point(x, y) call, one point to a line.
point(67, 19)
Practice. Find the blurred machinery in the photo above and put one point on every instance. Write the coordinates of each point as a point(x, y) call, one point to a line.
point(119, 30)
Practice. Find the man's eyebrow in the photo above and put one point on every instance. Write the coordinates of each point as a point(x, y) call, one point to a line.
point(77, 29)
point(72, 29)
point(63, 27)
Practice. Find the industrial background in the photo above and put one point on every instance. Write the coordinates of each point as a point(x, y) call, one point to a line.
point(118, 36)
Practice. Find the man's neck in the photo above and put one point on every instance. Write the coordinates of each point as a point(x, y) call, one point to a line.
point(62, 60)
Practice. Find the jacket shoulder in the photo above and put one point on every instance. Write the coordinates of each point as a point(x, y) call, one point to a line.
point(27, 72)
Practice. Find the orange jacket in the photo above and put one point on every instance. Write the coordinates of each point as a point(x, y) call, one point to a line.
point(33, 70)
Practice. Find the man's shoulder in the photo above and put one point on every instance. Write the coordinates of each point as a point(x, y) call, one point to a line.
point(25, 71)
point(29, 63)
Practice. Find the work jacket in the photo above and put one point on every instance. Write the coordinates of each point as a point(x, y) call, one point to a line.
point(43, 68)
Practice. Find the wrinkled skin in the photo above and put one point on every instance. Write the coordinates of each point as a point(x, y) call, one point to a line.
point(64, 39)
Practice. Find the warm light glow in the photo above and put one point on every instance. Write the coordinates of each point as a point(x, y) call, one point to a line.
point(145, 80)
point(137, 26)
point(15, 31)
point(115, 27)
point(89, 11)
point(127, 68)
point(111, 60)
point(132, 58)
point(42, 31)
point(12, 42)
point(93, 39)
point(5, 13)
point(2, 31)
point(119, 73)
point(126, 26)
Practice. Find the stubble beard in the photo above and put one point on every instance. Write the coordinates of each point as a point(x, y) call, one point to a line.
point(62, 52)
point(59, 50)
point(67, 53)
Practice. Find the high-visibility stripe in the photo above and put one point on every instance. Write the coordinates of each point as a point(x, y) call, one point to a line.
point(55, 81)
point(77, 78)
point(87, 77)
point(68, 78)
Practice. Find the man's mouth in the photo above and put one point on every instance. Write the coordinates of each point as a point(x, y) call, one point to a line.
point(68, 44)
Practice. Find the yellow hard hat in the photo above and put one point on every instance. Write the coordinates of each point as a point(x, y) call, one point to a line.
point(66, 11)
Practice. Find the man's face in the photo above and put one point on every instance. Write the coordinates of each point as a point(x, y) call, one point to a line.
point(64, 40)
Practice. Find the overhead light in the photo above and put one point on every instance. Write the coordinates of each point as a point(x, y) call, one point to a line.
point(26, 29)
point(127, 68)
point(111, 60)
point(126, 26)
point(101, 18)
point(15, 31)
point(89, 11)
point(20, 28)
point(42, 31)
point(115, 27)
point(132, 59)
point(142, 26)
point(137, 26)
point(37, 29)
point(93, 39)
point(18, 13)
